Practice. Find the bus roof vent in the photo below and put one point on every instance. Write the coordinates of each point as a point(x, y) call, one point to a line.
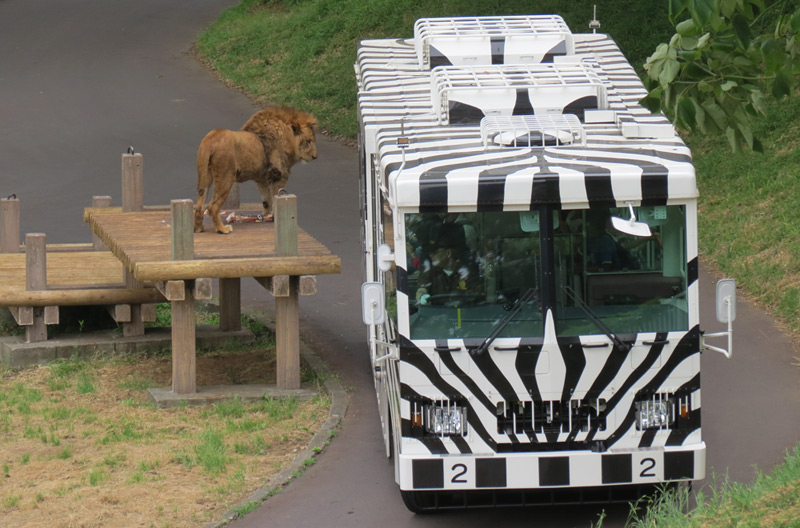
point(491, 40)
point(532, 131)
point(465, 95)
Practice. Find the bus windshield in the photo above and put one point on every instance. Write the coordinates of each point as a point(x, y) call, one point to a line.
point(467, 271)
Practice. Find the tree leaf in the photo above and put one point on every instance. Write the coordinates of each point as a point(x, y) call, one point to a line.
point(702, 11)
point(782, 85)
point(728, 85)
point(685, 114)
point(741, 28)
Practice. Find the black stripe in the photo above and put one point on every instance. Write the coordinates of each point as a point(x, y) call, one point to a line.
point(655, 187)
point(617, 469)
point(692, 271)
point(432, 192)
point(490, 473)
point(553, 471)
point(428, 474)
point(498, 50)
point(414, 356)
point(523, 105)
point(402, 280)
point(493, 374)
point(437, 58)
point(449, 362)
point(679, 465)
point(546, 189)
point(491, 190)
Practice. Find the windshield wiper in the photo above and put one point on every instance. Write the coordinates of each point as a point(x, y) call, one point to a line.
point(625, 347)
point(483, 347)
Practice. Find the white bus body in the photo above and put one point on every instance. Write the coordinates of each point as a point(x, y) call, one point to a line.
point(567, 356)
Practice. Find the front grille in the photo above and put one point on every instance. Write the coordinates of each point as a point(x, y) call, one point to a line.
point(550, 417)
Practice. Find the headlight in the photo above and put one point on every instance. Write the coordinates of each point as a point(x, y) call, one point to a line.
point(446, 418)
point(656, 413)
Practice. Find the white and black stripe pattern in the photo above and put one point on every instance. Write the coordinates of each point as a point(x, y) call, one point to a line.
point(629, 155)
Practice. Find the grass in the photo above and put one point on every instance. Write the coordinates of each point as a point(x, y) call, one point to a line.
point(82, 437)
point(301, 53)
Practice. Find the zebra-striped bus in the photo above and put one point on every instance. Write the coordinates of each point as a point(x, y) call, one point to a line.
point(531, 270)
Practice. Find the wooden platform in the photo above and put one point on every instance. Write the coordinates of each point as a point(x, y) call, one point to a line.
point(75, 276)
point(142, 241)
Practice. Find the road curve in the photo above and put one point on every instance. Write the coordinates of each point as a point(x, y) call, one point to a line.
point(80, 81)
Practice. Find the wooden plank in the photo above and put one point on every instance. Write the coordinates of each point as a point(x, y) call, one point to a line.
point(35, 261)
point(99, 202)
point(132, 183)
point(230, 304)
point(285, 225)
point(277, 286)
point(184, 367)
point(9, 225)
point(231, 268)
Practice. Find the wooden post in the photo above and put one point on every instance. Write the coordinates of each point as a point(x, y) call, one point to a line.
point(184, 368)
point(36, 279)
point(230, 304)
point(132, 183)
point(99, 201)
point(9, 230)
point(287, 315)
point(133, 201)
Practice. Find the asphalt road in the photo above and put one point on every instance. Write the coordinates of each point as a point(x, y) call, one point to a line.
point(81, 80)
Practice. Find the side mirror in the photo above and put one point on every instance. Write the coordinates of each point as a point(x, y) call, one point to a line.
point(726, 313)
point(373, 303)
point(726, 300)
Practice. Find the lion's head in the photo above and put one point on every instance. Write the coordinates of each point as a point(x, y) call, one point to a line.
point(302, 124)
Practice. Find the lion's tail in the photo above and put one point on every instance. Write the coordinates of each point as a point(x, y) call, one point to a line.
point(204, 177)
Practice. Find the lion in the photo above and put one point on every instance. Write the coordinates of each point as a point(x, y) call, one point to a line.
point(266, 148)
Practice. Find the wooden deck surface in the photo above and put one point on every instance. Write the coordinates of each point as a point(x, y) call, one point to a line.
point(74, 277)
point(142, 241)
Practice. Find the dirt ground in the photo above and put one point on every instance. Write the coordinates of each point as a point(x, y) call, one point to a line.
point(81, 446)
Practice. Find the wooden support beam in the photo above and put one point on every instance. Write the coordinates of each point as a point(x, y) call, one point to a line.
point(120, 313)
point(277, 286)
point(9, 225)
point(308, 285)
point(99, 202)
point(287, 314)
point(184, 362)
point(149, 313)
point(203, 289)
point(133, 201)
point(23, 315)
point(172, 290)
point(35, 261)
point(230, 304)
point(184, 351)
point(36, 279)
point(51, 315)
